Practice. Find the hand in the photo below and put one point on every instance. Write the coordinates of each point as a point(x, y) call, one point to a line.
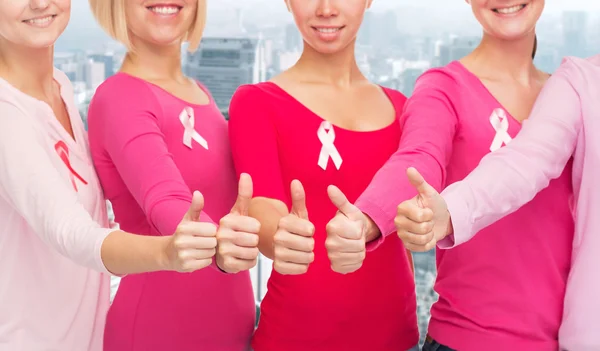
point(194, 243)
point(293, 243)
point(237, 237)
point(423, 220)
point(346, 234)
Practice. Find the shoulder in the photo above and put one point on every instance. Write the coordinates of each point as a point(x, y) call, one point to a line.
point(396, 97)
point(256, 92)
point(123, 93)
point(16, 122)
point(63, 80)
point(578, 71)
point(121, 86)
point(445, 77)
point(255, 96)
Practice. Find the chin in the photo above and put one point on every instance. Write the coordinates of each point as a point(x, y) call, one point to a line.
point(40, 42)
point(327, 48)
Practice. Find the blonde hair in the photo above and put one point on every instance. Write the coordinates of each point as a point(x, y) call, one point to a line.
point(110, 14)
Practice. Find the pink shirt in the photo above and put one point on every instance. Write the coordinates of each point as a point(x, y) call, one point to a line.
point(564, 123)
point(493, 294)
point(151, 149)
point(275, 139)
point(54, 288)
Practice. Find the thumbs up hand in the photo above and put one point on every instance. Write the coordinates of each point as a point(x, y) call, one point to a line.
point(193, 244)
point(293, 242)
point(237, 237)
point(423, 220)
point(346, 234)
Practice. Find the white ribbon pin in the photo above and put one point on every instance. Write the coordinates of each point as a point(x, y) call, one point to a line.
point(326, 135)
point(500, 124)
point(189, 132)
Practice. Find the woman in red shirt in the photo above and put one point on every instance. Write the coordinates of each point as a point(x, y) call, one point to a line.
point(318, 124)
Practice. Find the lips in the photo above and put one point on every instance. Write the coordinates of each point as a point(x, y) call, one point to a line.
point(42, 20)
point(510, 10)
point(165, 9)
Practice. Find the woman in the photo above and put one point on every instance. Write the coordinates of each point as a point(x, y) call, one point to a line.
point(320, 123)
point(493, 295)
point(56, 251)
point(150, 149)
point(561, 126)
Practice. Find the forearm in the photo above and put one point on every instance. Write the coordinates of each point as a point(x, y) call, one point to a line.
point(268, 212)
point(124, 253)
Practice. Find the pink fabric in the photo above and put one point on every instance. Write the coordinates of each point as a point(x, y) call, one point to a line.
point(54, 288)
point(565, 122)
point(504, 290)
point(148, 173)
point(275, 139)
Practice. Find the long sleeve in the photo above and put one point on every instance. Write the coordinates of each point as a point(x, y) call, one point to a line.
point(428, 125)
point(33, 186)
point(129, 131)
point(254, 146)
point(510, 177)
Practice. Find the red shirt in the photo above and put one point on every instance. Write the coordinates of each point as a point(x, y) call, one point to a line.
point(274, 139)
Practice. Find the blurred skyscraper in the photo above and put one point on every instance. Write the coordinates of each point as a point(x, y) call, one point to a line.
point(223, 64)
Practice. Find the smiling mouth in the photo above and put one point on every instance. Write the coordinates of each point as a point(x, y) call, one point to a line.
point(40, 20)
point(328, 30)
point(510, 10)
point(165, 9)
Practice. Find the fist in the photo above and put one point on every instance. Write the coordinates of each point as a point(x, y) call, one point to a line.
point(346, 234)
point(194, 243)
point(293, 244)
point(237, 236)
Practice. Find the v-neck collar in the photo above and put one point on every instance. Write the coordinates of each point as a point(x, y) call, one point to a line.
point(49, 116)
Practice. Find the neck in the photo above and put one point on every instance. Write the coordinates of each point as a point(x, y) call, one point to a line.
point(339, 68)
point(154, 62)
point(505, 59)
point(29, 70)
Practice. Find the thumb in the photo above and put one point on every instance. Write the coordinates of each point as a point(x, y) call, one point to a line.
point(298, 200)
point(193, 213)
point(416, 179)
point(245, 189)
point(340, 201)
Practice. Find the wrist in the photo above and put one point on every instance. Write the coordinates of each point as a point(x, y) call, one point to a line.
point(449, 227)
point(163, 257)
point(372, 231)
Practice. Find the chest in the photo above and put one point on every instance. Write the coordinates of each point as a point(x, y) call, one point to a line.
point(319, 154)
point(517, 100)
point(73, 162)
point(360, 109)
point(197, 138)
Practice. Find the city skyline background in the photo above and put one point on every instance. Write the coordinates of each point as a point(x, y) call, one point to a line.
point(249, 41)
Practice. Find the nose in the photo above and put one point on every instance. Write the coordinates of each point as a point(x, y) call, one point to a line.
point(39, 4)
point(327, 8)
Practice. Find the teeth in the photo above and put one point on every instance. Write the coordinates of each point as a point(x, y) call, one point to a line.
point(40, 21)
point(510, 10)
point(328, 30)
point(165, 10)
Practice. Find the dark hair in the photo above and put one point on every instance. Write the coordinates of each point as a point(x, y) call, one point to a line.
point(534, 47)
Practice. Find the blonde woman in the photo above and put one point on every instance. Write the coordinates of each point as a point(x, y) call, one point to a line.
point(154, 135)
point(56, 251)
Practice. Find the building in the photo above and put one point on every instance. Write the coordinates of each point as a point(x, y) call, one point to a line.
point(94, 74)
point(109, 63)
point(575, 24)
point(223, 64)
point(293, 38)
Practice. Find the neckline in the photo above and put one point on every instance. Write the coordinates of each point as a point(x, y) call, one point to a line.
point(478, 81)
point(185, 102)
point(72, 141)
point(346, 130)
